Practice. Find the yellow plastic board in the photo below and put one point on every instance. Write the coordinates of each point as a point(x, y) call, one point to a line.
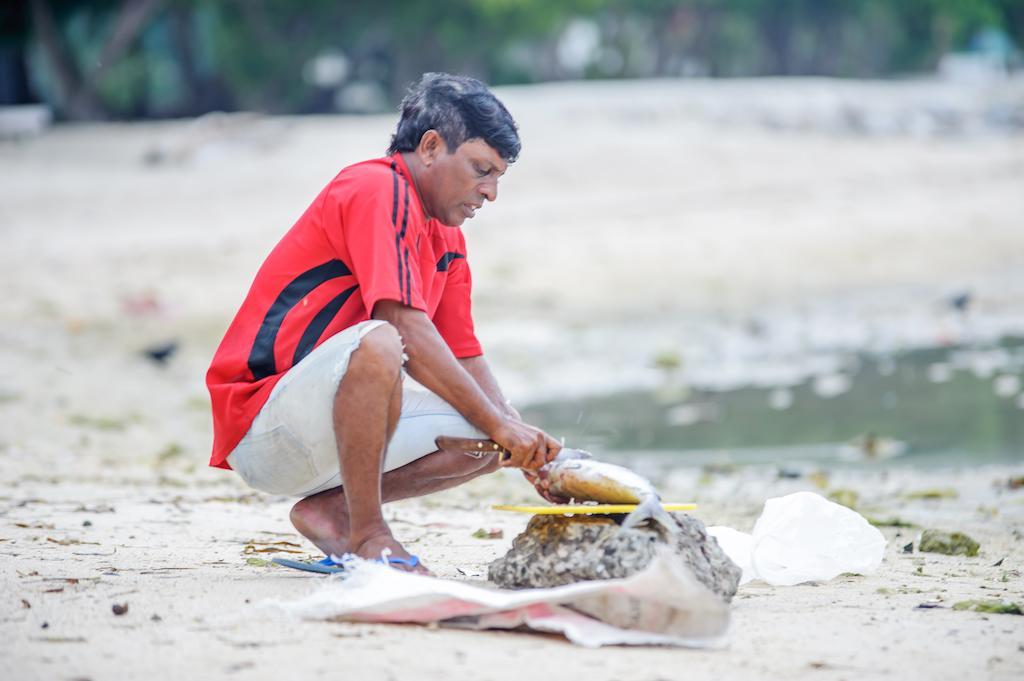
point(585, 509)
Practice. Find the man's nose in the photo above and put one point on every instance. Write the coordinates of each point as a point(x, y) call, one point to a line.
point(489, 189)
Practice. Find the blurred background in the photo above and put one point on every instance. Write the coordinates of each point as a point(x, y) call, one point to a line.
point(166, 58)
point(787, 232)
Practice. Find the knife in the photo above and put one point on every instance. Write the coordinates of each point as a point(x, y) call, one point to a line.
point(483, 447)
point(477, 449)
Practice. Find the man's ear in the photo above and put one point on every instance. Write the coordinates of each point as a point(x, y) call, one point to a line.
point(431, 146)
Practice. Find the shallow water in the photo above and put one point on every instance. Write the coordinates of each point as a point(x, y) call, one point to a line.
point(934, 406)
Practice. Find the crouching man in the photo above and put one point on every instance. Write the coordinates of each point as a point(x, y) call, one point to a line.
point(371, 283)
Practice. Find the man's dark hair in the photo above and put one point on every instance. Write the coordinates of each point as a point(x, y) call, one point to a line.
point(459, 108)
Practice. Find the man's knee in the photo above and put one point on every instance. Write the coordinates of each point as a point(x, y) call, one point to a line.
point(380, 350)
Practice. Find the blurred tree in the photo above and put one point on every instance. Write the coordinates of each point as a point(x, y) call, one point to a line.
point(14, 85)
point(1012, 12)
point(262, 45)
point(204, 87)
point(77, 85)
point(108, 58)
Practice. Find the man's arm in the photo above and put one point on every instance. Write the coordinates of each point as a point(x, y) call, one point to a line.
point(434, 366)
point(480, 370)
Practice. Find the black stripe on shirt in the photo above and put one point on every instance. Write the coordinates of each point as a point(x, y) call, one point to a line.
point(408, 287)
point(405, 224)
point(261, 356)
point(316, 326)
point(394, 222)
point(446, 260)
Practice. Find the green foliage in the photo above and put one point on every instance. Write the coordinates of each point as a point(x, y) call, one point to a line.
point(193, 54)
point(948, 543)
point(844, 497)
point(889, 522)
point(124, 85)
point(933, 493)
point(990, 606)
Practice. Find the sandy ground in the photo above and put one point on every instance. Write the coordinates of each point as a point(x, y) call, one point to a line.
point(639, 209)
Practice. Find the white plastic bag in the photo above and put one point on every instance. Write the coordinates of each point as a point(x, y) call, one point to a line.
point(738, 546)
point(803, 537)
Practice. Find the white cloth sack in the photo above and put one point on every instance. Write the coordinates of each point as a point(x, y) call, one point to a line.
point(803, 537)
point(662, 605)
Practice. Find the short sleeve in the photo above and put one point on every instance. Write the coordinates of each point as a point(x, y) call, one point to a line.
point(378, 237)
point(454, 316)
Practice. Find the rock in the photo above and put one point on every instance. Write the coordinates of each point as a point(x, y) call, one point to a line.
point(949, 543)
point(24, 120)
point(161, 353)
point(557, 550)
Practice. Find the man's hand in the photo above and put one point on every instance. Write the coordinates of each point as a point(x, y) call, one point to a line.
point(541, 485)
point(531, 447)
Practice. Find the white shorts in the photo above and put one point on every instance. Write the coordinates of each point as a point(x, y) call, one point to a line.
point(290, 448)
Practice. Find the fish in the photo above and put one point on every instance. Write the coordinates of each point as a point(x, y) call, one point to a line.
point(575, 474)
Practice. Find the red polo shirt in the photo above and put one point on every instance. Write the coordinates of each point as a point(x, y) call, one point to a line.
point(364, 239)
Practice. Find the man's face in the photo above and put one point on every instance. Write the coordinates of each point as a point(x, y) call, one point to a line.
point(459, 182)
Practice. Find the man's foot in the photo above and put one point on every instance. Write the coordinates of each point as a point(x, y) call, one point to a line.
point(323, 520)
point(383, 546)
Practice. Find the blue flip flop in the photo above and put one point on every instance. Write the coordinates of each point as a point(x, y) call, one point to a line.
point(328, 566)
point(325, 566)
point(412, 561)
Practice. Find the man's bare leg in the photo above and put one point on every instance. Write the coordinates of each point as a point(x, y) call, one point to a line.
point(366, 411)
point(323, 518)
